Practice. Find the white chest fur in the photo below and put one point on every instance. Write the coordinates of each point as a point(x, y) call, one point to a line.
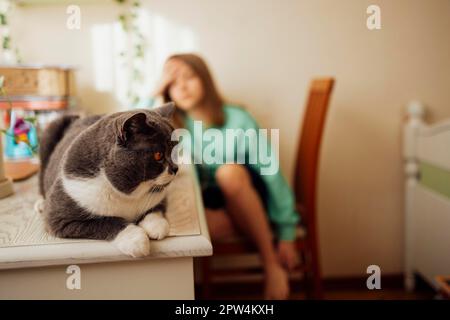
point(99, 196)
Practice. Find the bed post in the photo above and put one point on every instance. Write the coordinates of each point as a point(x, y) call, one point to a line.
point(414, 122)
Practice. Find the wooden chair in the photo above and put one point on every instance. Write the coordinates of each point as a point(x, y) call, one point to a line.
point(305, 190)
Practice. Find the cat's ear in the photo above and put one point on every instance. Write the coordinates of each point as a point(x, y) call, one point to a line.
point(129, 125)
point(166, 110)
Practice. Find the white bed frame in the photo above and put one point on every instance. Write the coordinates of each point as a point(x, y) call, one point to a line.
point(427, 213)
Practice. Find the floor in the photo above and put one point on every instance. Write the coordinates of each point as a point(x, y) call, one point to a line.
point(252, 291)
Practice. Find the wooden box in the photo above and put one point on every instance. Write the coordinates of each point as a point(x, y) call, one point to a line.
point(44, 81)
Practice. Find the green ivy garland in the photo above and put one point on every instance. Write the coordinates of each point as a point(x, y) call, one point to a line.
point(128, 21)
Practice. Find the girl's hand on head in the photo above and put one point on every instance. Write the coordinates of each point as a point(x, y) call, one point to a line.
point(288, 254)
point(169, 75)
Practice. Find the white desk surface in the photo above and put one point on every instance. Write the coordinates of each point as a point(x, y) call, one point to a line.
point(24, 242)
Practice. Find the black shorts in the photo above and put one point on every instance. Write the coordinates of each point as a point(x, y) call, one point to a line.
point(213, 197)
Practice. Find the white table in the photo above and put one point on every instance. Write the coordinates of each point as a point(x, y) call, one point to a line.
point(33, 264)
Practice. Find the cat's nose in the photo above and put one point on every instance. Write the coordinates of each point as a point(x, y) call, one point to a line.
point(173, 169)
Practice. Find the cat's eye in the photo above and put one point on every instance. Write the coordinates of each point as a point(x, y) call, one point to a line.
point(157, 156)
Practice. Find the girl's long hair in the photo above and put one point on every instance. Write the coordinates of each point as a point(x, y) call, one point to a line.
point(211, 97)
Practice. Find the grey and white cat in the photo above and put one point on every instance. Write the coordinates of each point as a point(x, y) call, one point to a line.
point(105, 177)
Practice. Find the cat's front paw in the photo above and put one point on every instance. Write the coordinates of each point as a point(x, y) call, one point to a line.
point(39, 206)
point(133, 241)
point(155, 225)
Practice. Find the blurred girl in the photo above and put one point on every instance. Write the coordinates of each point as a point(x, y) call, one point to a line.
point(236, 196)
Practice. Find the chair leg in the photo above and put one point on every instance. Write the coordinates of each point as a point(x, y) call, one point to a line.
point(206, 277)
point(306, 276)
point(315, 271)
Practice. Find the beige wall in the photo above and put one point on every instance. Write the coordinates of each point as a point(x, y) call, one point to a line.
point(264, 53)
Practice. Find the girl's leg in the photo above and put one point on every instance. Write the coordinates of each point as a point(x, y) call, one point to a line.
point(244, 206)
point(219, 224)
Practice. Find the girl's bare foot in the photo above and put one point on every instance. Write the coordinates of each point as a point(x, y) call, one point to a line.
point(277, 283)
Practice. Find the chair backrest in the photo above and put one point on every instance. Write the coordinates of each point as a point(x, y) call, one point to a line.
point(307, 162)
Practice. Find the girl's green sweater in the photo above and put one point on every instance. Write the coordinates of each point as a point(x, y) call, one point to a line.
point(280, 202)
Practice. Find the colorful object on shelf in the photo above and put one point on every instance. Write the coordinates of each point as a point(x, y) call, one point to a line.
point(21, 138)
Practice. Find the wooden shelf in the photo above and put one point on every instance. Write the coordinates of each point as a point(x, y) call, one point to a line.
point(36, 105)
